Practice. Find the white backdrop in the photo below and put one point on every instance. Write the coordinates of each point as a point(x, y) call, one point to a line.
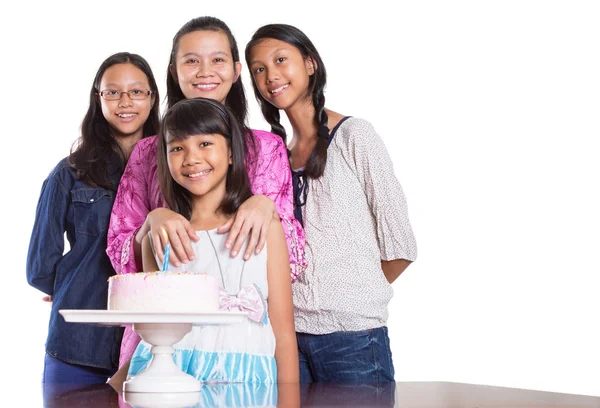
point(490, 111)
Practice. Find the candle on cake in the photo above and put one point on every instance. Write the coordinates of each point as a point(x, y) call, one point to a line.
point(165, 265)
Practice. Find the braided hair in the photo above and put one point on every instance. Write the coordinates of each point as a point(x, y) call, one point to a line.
point(316, 86)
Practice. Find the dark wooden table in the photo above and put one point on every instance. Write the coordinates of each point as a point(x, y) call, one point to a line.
point(401, 394)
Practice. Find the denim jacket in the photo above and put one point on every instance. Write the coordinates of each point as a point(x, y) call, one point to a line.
point(77, 279)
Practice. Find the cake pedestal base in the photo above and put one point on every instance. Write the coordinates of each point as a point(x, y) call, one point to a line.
point(162, 330)
point(161, 374)
point(162, 400)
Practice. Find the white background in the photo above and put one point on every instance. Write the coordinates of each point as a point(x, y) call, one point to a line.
point(489, 109)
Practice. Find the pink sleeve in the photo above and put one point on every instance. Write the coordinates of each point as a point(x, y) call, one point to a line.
point(132, 204)
point(137, 195)
point(270, 175)
point(128, 345)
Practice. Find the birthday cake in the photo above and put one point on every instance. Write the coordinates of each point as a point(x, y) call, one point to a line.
point(164, 292)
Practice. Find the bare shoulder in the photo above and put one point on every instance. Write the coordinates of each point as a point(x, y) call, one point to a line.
point(333, 118)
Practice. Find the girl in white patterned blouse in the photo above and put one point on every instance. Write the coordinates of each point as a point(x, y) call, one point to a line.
point(358, 236)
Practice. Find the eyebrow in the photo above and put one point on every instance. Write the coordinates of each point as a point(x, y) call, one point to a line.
point(198, 55)
point(132, 84)
point(270, 54)
point(171, 139)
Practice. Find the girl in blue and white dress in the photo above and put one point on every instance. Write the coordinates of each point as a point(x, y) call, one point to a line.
point(201, 169)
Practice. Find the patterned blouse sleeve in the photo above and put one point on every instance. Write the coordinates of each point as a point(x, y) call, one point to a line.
point(270, 175)
point(384, 193)
point(132, 205)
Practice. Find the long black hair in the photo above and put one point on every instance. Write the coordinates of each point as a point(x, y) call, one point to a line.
point(316, 91)
point(96, 151)
point(200, 116)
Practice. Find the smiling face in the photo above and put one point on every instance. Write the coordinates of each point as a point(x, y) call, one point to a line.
point(280, 72)
point(204, 66)
point(199, 163)
point(126, 117)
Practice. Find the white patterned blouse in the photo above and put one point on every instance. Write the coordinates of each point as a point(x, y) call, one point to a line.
point(354, 216)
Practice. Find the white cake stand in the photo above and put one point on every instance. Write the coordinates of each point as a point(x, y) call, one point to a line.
point(162, 400)
point(161, 330)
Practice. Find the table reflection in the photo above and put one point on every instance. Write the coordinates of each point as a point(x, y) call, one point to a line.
point(227, 395)
point(78, 395)
point(210, 395)
point(347, 395)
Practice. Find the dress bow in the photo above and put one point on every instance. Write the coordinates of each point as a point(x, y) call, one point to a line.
point(249, 299)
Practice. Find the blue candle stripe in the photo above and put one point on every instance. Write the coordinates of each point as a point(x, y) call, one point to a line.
point(166, 258)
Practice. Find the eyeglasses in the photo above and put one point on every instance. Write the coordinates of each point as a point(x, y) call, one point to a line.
point(134, 94)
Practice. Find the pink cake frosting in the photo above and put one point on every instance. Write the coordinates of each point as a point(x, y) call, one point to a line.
point(164, 292)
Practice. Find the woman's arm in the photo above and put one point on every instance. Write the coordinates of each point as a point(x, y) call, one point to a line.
point(138, 209)
point(281, 308)
point(136, 212)
point(270, 177)
point(46, 245)
point(131, 206)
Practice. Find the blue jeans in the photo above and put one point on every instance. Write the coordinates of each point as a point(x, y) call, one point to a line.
point(57, 371)
point(355, 357)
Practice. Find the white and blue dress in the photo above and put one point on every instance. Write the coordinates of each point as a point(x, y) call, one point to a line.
point(242, 353)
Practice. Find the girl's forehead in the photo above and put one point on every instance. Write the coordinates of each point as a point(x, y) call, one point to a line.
point(268, 46)
point(123, 72)
point(204, 40)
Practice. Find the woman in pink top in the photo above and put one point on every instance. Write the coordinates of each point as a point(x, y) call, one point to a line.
point(204, 63)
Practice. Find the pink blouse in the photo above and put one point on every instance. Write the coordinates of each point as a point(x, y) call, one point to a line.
point(139, 193)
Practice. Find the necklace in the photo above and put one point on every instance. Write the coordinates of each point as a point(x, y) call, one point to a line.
point(219, 264)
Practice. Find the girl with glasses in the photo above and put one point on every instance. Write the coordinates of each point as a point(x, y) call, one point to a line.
point(76, 200)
